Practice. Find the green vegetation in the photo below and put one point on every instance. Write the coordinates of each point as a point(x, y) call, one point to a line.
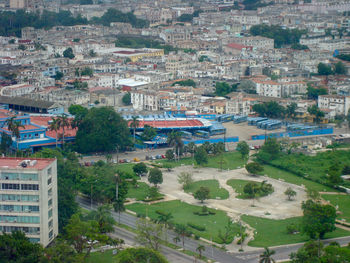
point(230, 161)
point(272, 232)
point(276, 173)
point(140, 255)
point(345, 57)
point(215, 191)
point(342, 201)
point(239, 185)
point(281, 36)
point(141, 42)
point(313, 93)
point(140, 192)
point(188, 82)
point(269, 109)
point(314, 168)
point(183, 213)
point(126, 99)
point(102, 257)
point(223, 88)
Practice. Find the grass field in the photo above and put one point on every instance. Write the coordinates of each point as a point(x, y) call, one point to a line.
point(230, 160)
point(273, 232)
point(276, 173)
point(140, 193)
point(215, 191)
point(125, 167)
point(238, 186)
point(343, 203)
point(183, 214)
point(99, 257)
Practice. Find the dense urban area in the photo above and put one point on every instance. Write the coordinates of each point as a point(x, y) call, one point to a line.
point(174, 131)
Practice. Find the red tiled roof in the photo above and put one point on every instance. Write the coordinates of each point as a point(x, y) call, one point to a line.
point(170, 123)
point(44, 121)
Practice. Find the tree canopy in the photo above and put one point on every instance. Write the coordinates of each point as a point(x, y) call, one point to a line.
point(102, 130)
point(223, 88)
point(140, 255)
point(269, 109)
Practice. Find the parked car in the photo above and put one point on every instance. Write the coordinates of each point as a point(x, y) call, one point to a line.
point(158, 156)
point(121, 161)
point(163, 156)
point(257, 147)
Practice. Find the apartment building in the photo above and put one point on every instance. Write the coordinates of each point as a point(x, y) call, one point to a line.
point(28, 198)
point(338, 105)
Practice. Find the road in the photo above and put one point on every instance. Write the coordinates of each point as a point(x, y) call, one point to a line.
point(282, 252)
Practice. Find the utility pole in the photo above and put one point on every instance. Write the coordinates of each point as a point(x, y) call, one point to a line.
point(91, 197)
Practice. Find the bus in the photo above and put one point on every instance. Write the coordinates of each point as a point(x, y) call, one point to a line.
point(202, 134)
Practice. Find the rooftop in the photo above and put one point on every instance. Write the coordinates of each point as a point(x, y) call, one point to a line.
point(15, 163)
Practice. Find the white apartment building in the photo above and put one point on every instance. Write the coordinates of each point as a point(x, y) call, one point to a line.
point(238, 105)
point(28, 198)
point(17, 90)
point(339, 105)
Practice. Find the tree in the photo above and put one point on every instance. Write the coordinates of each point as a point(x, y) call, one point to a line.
point(140, 255)
point(102, 130)
point(185, 18)
point(169, 154)
point(266, 256)
point(269, 109)
point(6, 142)
point(313, 93)
point(291, 110)
point(134, 124)
point(200, 249)
point(148, 133)
point(164, 219)
point(308, 253)
point(175, 140)
point(254, 168)
point(155, 176)
point(316, 112)
point(348, 118)
point(118, 206)
point(251, 189)
point(140, 169)
point(59, 75)
point(290, 193)
point(16, 247)
point(271, 147)
point(202, 193)
point(87, 72)
point(243, 148)
point(14, 126)
point(62, 252)
point(339, 68)
point(127, 99)
point(182, 231)
point(185, 179)
point(229, 232)
point(222, 88)
point(346, 169)
point(334, 174)
point(318, 219)
point(103, 217)
point(149, 234)
point(82, 234)
point(324, 69)
point(201, 156)
point(54, 126)
point(68, 53)
point(92, 53)
point(22, 47)
point(63, 122)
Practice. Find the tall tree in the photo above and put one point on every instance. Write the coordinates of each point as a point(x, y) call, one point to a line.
point(183, 232)
point(63, 122)
point(103, 217)
point(316, 112)
point(14, 126)
point(134, 124)
point(155, 176)
point(102, 130)
point(201, 156)
point(149, 234)
point(202, 193)
point(266, 256)
point(175, 140)
point(55, 126)
point(243, 148)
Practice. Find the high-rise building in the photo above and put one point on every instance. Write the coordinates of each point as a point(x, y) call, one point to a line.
point(28, 197)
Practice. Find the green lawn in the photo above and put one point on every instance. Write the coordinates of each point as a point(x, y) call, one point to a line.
point(183, 214)
point(273, 232)
point(215, 191)
point(276, 173)
point(140, 193)
point(125, 167)
point(230, 160)
point(343, 203)
point(99, 257)
point(238, 186)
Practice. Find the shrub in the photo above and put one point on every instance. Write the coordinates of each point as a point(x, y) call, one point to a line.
point(292, 228)
point(197, 227)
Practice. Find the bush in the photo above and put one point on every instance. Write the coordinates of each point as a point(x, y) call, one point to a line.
point(140, 215)
point(197, 227)
point(292, 229)
point(159, 212)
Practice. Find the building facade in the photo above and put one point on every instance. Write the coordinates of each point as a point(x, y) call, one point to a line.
point(28, 198)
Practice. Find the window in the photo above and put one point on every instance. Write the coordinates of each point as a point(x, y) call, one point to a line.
point(50, 234)
point(29, 177)
point(33, 187)
point(20, 219)
point(49, 192)
point(49, 171)
point(49, 202)
point(10, 186)
point(9, 176)
point(49, 181)
point(50, 213)
point(51, 223)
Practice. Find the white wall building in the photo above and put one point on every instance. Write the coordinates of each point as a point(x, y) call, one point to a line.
point(339, 105)
point(28, 198)
point(17, 90)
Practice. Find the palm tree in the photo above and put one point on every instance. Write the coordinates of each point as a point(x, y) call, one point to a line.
point(134, 124)
point(265, 257)
point(182, 231)
point(176, 239)
point(164, 219)
point(104, 218)
point(191, 148)
point(13, 126)
point(175, 140)
point(54, 126)
point(200, 249)
point(119, 207)
point(63, 122)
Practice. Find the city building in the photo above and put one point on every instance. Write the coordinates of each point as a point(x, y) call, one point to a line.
point(28, 198)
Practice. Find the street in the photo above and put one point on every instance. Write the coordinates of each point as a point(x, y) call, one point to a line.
point(282, 252)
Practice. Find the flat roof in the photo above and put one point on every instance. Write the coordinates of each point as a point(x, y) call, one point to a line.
point(15, 163)
point(26, 102)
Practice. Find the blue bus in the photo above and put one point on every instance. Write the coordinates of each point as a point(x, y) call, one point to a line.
point(186, 135)
point(202, 134)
